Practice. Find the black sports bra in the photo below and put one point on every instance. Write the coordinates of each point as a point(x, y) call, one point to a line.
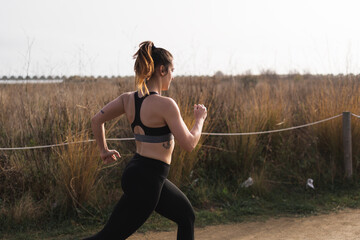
point(152, 135)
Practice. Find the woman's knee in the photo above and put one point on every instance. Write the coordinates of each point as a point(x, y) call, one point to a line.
point(188, 218)
point(192, 215)
point(186, 226)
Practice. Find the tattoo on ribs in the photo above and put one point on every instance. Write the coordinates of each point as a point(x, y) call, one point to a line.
point(167, 145)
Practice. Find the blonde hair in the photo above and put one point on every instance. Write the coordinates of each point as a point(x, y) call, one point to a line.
point(148, 57)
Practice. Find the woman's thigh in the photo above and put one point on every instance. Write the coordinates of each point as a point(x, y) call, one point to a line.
point(173, 204)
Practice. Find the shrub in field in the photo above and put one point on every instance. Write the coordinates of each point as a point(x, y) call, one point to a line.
point(21, 211)
point(76, 171)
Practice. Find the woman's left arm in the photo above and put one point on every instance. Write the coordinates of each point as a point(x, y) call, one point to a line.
point(112, 110)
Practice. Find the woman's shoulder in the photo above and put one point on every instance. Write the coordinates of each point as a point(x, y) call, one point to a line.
point(126, 95)
point(125, 98)
point(166, 101)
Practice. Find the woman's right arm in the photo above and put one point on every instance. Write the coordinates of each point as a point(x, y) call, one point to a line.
point(186, 139)
point(112, 110)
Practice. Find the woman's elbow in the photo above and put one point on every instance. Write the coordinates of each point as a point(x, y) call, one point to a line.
point(95, 122)
point(188, 144)
point(189, 147)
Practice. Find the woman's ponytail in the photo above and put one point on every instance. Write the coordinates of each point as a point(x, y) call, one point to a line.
point(148, 57)
point(144, 65)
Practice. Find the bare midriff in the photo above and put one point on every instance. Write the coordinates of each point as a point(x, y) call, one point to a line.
point(159, 151)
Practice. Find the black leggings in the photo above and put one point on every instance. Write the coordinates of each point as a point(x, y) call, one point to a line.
point(146, 188)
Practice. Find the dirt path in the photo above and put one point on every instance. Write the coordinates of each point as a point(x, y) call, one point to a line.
point(344, 225)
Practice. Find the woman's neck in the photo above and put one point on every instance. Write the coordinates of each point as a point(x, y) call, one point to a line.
point(154, 85)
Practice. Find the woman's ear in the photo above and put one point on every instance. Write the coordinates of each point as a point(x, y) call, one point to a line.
point(163, 71)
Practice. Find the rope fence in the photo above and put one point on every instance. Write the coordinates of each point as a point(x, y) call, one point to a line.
point(271, 131)
point(204, 133)
point(63, 144)
point(355, 115)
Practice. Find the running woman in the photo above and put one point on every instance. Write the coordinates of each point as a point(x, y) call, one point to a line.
point(156, 122)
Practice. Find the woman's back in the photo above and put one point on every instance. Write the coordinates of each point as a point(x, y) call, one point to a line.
point(151, 115)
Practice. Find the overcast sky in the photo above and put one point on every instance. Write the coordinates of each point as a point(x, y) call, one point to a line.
point(84, 37)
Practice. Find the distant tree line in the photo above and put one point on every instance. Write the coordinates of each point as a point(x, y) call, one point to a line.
point(268, 74)
point(32, 78)
point(70, 78)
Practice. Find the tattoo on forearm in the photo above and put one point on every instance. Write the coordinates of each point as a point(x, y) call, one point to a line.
point(102, 111)
point(167, 145)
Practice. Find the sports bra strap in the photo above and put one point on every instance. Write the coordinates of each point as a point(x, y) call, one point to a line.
point(149, 131)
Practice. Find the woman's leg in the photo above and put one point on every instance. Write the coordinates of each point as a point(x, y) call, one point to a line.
point(128, 215)
point(174, 205)
point(142, 183)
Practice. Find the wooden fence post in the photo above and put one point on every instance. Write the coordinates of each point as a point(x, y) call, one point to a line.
point(347, 144)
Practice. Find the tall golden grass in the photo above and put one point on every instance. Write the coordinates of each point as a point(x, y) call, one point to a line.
point(73, 178)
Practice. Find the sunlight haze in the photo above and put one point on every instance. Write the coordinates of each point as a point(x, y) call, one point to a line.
point(99, 37)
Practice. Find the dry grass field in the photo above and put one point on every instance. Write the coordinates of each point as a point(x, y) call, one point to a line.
point(54, 183)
